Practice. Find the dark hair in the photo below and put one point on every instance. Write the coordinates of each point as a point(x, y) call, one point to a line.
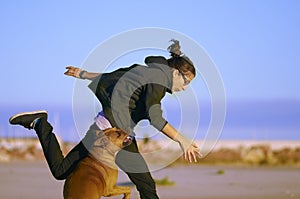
point(178, 60)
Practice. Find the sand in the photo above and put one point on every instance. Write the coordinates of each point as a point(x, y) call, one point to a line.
point(32, 180)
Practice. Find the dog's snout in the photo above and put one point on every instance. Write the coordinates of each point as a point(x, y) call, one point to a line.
point(127, 141)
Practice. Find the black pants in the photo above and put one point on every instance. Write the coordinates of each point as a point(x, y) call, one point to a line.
point(129, 159)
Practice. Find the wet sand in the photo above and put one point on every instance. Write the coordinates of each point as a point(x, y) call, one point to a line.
point(32, 180)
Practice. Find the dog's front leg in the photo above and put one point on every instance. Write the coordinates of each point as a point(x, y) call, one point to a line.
point(118, 190)
point(126, 196)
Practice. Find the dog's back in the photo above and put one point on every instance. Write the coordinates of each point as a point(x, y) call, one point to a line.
point(96, 177)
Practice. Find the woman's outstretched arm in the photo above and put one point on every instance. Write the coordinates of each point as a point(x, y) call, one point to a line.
point(79, 73)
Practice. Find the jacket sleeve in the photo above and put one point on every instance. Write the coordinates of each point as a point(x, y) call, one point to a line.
point(153, 96)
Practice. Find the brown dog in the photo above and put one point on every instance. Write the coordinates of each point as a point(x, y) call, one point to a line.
point(96, 175)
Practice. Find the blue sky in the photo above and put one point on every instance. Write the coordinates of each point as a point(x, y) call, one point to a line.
point(254, 44)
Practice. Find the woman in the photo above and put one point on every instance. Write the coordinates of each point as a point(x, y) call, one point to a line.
point(127, 95)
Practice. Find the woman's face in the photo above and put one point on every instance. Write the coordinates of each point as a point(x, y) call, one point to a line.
point(181, 81)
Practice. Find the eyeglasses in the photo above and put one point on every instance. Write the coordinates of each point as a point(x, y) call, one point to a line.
point(185, 80)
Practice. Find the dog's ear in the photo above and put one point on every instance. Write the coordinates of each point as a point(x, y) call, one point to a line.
point(102, 141)
point(99, 133)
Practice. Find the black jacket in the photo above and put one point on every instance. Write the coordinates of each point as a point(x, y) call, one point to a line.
point(131, 94)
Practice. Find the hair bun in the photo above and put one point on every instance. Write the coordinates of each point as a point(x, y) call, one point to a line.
point(174, 48)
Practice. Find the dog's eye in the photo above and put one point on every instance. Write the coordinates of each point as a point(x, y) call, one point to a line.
point(118, 134)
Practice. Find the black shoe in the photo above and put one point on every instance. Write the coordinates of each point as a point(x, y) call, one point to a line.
point(26, 119)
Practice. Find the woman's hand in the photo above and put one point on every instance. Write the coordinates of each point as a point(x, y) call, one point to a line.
point(73, 71)
point(80, 74)
point(190, 150)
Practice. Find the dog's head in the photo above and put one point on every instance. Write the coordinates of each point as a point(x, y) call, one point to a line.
point(112, 139)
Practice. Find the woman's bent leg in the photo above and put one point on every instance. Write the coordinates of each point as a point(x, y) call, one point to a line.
point(59, 165)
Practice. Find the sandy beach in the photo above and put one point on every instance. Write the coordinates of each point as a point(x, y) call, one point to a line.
point(32, 180)
point(233, 170)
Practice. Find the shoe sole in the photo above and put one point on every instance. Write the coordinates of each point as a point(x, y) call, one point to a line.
point(11, 119)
